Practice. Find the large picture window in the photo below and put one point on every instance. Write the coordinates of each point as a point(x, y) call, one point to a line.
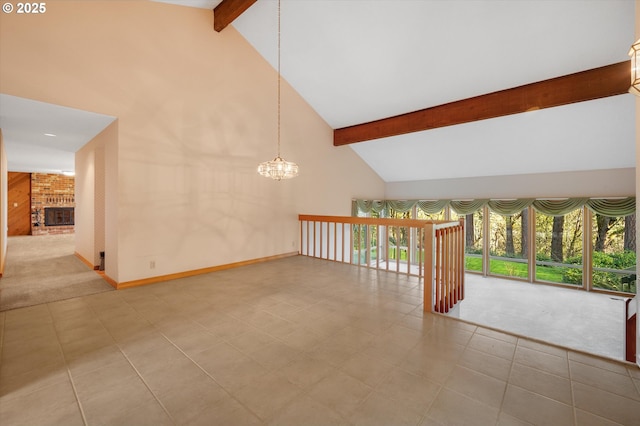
point(579, 242)
point(614, 253)
point(559, 248)
point(508, 244)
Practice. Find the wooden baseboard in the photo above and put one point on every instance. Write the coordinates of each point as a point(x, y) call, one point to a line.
point(85, 261)
point(162, 278)
point(108, 279)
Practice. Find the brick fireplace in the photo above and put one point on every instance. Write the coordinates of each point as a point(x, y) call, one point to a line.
point(52, 204)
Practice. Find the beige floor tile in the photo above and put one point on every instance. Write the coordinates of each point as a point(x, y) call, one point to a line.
point(435, 368)
point(606, 404)
point(350, 337)
point(149, 413)
point(422, 324)
point(599, 362)
point(491, 345)
point(19, 385)
point(607, 380)
point(543, 347)
point(95, 359)
point(229, 367)
point(251, 341)
point(150, 342)
point(584, 418)
point(149, 362)
point(509, 338)
point(447, 333)
point(24, 347)
point(379, 409)
point(31, 315)
point(452, 408)
point(227, 411)
point(243, 334)
point(30, 361)
point(485, 363)
point(335, 354)
point(370, 371)
point(414, 391)
point(339, 392)
point(303, 339)
point(542, 361)
point(109, 402)
point(540, 382)
point(383, 348)
point(195, 341)
point(51, 405)
point(268, 396)
point(305, 411)
point(177, 374)
point(87, 344)
point(478, 386)
point(275, 355)
point(27, 331)
point(505, 419)
point(306, 371)
point(537, 409)
point(185, 402)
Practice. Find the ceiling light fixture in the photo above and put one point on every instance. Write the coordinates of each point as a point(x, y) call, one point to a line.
point(634, 52)
point(50, 134)
point(278, 168)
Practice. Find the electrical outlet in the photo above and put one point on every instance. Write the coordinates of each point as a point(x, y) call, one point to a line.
point(152, 264)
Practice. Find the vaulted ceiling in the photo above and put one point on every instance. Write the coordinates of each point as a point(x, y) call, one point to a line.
point(355, 61)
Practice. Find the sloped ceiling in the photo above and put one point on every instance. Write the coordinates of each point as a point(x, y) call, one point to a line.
point(356, 61)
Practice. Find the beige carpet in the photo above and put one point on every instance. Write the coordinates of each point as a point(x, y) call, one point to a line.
point(42, 269)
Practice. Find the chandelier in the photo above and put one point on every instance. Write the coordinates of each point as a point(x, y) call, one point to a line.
point(278, 168)
point(634, 52)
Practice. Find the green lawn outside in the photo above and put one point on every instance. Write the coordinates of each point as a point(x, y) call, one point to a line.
point(516, 269)
point(551, 274)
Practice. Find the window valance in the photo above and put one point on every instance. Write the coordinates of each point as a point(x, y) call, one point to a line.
point(606, 207)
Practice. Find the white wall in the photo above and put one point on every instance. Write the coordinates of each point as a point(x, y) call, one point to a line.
point(196, 114)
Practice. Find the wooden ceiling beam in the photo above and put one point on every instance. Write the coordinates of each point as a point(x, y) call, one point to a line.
point(227, 11)
point(596, 83)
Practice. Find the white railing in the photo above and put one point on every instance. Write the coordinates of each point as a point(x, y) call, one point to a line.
point(431, 250)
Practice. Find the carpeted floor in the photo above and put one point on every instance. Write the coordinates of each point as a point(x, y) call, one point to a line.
point(42, 269)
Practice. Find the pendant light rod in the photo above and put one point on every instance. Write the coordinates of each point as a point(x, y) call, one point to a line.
point(278, 168)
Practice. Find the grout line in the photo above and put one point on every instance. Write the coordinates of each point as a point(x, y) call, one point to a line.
point(186, 356)
point(69, 375)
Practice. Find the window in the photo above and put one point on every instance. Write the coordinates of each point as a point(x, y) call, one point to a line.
point(473, 239)
point(559, 248)
point(508, 245)
point(614, 253)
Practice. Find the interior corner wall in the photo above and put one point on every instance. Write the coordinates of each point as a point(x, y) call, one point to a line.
point(4, 182)
point(91, 178)
point(197, 112)
point(85, 206)
point(591, 183)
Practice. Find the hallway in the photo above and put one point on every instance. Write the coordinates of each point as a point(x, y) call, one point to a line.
point(44, 268)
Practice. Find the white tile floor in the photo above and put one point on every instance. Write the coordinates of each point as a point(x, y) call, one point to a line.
point(291, 342)
point(586, 321)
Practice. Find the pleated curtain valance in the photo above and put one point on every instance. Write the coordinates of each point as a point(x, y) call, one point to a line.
point(605, 207)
